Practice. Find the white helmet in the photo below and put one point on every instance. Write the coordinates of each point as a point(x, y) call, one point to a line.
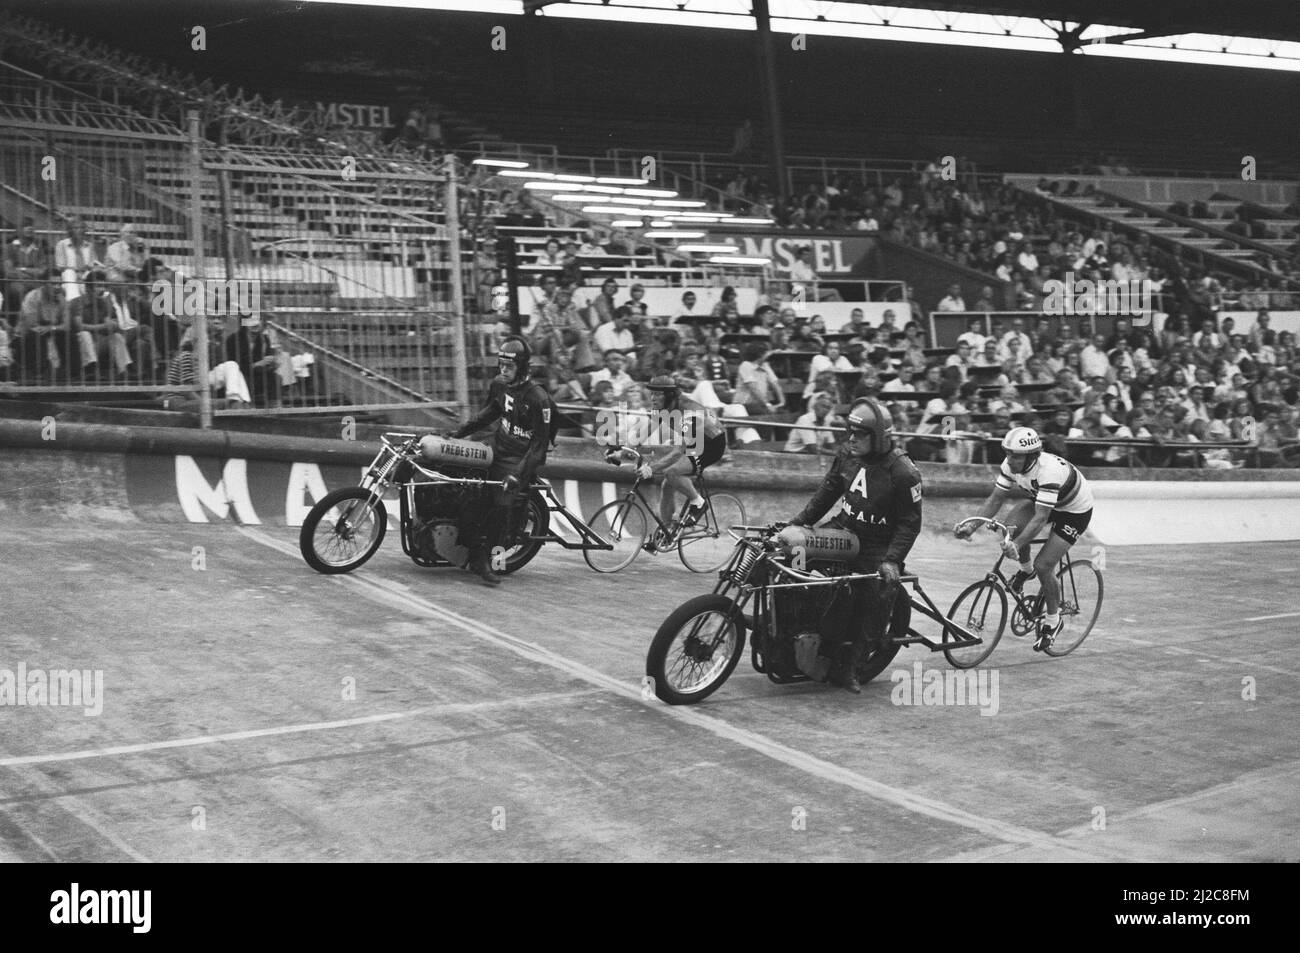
point(1022, 440)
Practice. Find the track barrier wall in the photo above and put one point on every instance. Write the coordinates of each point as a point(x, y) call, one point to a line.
point(165, 474)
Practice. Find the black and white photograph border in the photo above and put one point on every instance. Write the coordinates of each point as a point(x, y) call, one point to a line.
point(636, 431)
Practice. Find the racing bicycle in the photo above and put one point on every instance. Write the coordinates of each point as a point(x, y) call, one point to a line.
point(982, 606)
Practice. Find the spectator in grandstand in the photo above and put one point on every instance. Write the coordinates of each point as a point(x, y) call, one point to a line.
point(636, 303)
point(550, 253)
point(974, 335)
point(1016, 333)
point(952, 301)
point(1036, 372)
point(561, 382)
point(660, 355)
point(226, 377)
point(74, 257)
point(614, 334)
point(961, 361)
point(726, 311)
point(913, 349)
point(819, 414)
point(803, 339)
point(26, 259)
point(122, 342)
point(570, 268)
point(1207, 332)
point(614, 372)
point(757, 386)
point(1261, 331)
point(1093, 359)
point(125, 258)
point(989, 357)
point(256, 349)
point(986, 301)
point(829, 360)
point(591, 245)
point(557, 325)
point(804, 276)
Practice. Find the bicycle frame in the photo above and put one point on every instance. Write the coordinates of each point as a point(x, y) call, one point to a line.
point(1030, 607)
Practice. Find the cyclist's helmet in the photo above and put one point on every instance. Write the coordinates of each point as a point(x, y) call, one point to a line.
point(1022, 445)
point(513, 359)
point(868, 417)
point(667, 385)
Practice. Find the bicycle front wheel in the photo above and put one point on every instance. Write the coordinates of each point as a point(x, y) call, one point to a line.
point(706, 546)
point(1081, 592)
point(981, 609)
point(621, 526)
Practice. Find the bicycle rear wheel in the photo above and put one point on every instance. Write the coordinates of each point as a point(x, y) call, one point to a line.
point(1081, 594)
point(706, 546)
point(622, 525)
point(981, 609)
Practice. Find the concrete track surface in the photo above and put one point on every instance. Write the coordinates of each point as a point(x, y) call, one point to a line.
point(254, 710)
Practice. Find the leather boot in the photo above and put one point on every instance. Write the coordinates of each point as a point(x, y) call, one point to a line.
point(851, 655)
point(478, 564)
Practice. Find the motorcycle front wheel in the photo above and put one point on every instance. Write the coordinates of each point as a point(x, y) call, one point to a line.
point(343, 530)
point(696, 649)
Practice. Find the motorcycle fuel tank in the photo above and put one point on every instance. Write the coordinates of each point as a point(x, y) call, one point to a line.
point(461, 453)
point(821, 543)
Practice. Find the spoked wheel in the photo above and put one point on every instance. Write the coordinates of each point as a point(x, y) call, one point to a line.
point(696, 649)
point(622, 525)
point(343, 530)
point(537, 520)
point(876, 661)
point(981, 609)
point(706, 546)
point(1081, 592)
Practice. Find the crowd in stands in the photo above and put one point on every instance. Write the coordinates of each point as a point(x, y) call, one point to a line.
point(1002, 231)
point(1190, 379)
point(84, 313)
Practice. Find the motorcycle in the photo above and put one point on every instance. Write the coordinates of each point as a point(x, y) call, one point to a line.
point(791, 575)
point(439, 481)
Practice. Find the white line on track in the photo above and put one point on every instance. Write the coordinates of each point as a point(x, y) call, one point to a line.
point(799, 760)
point(459, 708)
point(1265, 618)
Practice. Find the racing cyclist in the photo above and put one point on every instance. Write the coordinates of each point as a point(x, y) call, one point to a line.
point(1052, 492)
point(703, 442)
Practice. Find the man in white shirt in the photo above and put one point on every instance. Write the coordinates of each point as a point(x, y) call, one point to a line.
point(1093, 360)
point(953, 301)
point(961, 360)
point(619, 379)
point(818, 415)
point(805, 276)
point(830, 360)
point(125, 257)
point(1018, 332)
point(615, 335)
point(973, 335)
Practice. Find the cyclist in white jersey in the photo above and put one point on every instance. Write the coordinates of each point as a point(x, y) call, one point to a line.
point(1051, 492)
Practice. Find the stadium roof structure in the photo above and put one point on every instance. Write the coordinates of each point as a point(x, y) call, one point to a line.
point(1204, 31)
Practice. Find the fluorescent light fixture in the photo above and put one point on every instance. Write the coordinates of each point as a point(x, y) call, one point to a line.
point(679, 203)
point(614, 180)
point(660, 223)
point(750, 221)
point(553, 186)
point(530, 174)
point(577, 197)
point(604, 189)
point(610, 210)
point(670, 233)
point(501, 163)
point(738, 260)
point(627, 222)
point(619, 200)
point(703, 248)
point(653, 193)
point(575, 178)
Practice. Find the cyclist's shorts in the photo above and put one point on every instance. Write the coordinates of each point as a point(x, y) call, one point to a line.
point(714, 448)
point(1069, 526)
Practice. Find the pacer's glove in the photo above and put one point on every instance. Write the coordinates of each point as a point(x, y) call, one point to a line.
point(888, 574)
